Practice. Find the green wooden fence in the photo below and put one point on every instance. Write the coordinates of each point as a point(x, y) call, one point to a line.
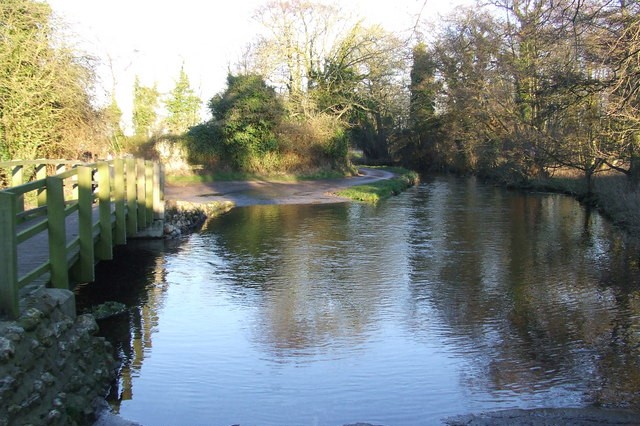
point(113, 200)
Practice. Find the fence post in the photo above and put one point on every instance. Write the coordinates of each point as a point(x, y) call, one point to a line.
point(57, 233)
point(9, 260)
point(148, 197)
point(75, 185)
point(17, 178)
point(158, 192)
point(104, 247)
point(119, 195)
point(41, 173)
point(132, 206)
point(142, 192)
point(84, 271)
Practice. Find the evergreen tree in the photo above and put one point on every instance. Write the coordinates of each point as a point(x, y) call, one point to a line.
point(182, 105)
point(418, 147)
point(145, 103)
point(112, 116)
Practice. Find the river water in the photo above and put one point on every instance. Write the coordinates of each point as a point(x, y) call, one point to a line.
point(454, 297)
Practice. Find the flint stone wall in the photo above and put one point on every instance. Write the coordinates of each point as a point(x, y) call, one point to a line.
point(184, 217)
point(52, 367)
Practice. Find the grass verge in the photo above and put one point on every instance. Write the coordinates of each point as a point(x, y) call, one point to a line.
point(376, 191)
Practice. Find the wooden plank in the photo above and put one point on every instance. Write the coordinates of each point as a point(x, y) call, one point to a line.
point(17, 178)
point(158, 192)
point(40, 256)
point(132, 205)
point(148, 197)
point(34, 275)
point(41, 173)
point(57, 233)
point(31, 231)
point(13, 163)
point(84, 271)
point(75, 186)
point(9, 260)
point(141, 194)
point(35, 185)
point(17, 175)
point(119, 198)
point(104, 246)
point(31, 214)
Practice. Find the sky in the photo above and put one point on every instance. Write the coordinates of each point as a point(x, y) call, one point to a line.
point(152, 39)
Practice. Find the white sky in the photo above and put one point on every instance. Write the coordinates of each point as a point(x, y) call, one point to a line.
point(152, 38)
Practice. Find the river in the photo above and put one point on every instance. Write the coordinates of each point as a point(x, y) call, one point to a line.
point(454, 297)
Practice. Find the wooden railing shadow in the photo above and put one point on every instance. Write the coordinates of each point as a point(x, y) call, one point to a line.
point(72, 220)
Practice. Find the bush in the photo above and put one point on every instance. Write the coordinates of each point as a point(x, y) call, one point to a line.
point(246, 114)
point(204, 144)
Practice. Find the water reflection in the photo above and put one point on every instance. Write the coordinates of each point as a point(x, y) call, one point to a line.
point(141, 285)
point(310, 264)
point(453, 297)
point(523, 285)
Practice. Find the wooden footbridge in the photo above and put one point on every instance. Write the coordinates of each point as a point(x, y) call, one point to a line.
point(56, 227)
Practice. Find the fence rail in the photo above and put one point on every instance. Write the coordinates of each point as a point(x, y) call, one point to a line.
point(112, 200)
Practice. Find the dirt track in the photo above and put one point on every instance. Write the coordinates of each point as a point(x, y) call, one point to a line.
point(245, 193)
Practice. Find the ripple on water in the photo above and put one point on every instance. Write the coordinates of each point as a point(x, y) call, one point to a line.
point(452, 298)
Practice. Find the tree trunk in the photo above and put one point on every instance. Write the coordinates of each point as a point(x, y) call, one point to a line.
point(588, 176)
point(634, 160)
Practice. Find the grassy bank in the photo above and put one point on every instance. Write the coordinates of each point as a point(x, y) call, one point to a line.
point(376, 191)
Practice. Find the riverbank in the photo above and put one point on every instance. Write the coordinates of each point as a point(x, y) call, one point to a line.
point(400, 180)
point(548, 416)
point(613, 195)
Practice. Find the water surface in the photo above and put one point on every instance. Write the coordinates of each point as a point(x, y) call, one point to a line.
point(451, 298)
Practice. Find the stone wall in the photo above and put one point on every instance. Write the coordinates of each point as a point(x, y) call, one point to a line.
point(184, 217)
point(52, 367)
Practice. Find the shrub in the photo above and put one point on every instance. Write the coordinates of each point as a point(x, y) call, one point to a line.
point(246, 114)
point(204, 144)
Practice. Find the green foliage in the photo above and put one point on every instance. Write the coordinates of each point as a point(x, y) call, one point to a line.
point(182, 105)
point(418, 146)
point(246, 114)
point(145, 103)
point(337, 147)
point(203, 143)
point(112, 116)
point(379, 190)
